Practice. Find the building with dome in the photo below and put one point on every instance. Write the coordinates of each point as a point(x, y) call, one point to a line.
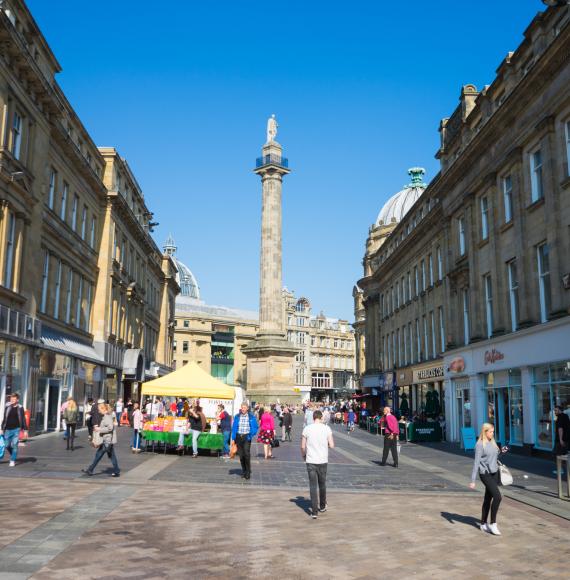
point(186, 280)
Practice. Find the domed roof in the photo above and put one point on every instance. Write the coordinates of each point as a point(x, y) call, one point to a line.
point(400, 203)
point(186, 280)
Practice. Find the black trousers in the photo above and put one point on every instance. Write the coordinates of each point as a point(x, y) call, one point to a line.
point(244, 452)
point(493, 496)
point(70, 434)
point(390, 445)
point(317, 485)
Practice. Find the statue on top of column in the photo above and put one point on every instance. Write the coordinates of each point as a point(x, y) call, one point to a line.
point(271, 128)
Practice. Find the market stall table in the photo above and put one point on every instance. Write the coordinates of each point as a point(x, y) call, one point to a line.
point(211, 441)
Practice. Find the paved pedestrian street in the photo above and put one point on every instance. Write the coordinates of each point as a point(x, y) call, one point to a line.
point(174, 517)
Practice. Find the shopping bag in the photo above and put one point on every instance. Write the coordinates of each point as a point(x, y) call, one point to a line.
point(399, 448)
point(274, 443)
point(2, 446)
point(505, 475)
point(96, 440)
point(233, 449)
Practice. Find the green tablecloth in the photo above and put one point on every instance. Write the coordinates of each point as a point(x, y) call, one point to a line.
point(213, 441)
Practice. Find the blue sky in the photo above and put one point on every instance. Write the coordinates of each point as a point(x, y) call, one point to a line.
point(183, 90)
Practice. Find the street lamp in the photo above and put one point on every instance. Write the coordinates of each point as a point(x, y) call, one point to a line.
point(555, 3)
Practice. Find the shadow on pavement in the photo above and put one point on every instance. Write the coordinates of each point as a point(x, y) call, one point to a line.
point(303, 503)
point(467, 520)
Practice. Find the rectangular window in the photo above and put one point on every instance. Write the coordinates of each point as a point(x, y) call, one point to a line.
point(52, 186)
point(439, 264)
point(10, 245)
point(185, 347)
point(405, 337)
point(409, 286)
point(400, 350)
point(430, 268)
point(382, 306)
point(484, 217)
point(417, 280)
point(544, 280)
point(513, 294)
point(536, 186)
point(300, 338)
point(508, 198)
point(433, 339)
point(63, 208)
point(488, 304)
point(45, 277)
point(69, 297)
point(57, 290)
point(423, 263)
point(461, 230)
point(567, 128)
point(404, 299)
point(74, 212)
point(466, 316)
point(93, 232)
point(418, 342)
point(394, 355)
point(426, 338)
point(88, 307)
point(397, 295)
point(441, 330)
point(411, 343)
point(16, 141)
point(83, 222)
point(79, 305)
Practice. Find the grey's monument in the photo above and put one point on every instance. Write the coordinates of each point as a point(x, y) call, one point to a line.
point(270, 356)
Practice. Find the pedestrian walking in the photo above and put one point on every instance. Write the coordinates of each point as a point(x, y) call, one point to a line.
point(225, 424)
point(119, 406)
point(13, 422)
point(197, 422)
point(244, 429)
point(106, 432)
point(391, 434)
point(70, 415)
point(308, 420)
point(137, 420)
point(88, 421)
point(316, 440)
point(266, 432)
point(486, 464)
point(287, 423)
point(561, 431)
point(351, 420)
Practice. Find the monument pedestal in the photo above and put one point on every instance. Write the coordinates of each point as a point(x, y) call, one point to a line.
point(271, 370)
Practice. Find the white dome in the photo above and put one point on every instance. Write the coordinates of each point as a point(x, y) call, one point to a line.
point(399, 205)
point(186, 280)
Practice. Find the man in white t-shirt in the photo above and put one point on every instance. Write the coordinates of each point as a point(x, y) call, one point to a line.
point(315, 442)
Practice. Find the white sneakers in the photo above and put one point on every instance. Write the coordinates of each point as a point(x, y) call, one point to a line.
point(12, 464)
point(494, 529)
point(491, 529)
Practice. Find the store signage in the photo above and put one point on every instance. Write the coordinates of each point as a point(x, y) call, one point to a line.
point(493, 355)
point(428, 374)
point(457, 365)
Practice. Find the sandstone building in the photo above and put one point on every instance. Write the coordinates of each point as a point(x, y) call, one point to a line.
point(469, 293)
point(86, 296)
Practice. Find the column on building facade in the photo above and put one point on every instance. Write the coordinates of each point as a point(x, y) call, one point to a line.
point(478, 403)
point(529, 424)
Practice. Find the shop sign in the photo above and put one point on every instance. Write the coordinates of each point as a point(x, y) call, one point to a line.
point(457, 365)
point(428, 374)
point(492, 356)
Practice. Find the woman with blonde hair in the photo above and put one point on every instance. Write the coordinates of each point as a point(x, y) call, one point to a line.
point(107, 430)
point(70, 414)
point(486, 464)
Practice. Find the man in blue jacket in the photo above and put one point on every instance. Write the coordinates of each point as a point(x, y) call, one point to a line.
point(243, 431)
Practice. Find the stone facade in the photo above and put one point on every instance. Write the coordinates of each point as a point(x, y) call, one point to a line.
point(58, 213)
point(496, 223)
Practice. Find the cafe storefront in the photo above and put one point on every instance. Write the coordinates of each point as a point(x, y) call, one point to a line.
point(427, 391)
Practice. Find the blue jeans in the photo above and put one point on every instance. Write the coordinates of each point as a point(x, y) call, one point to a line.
point(136, 439)
point(195, 434)
point(227, 437)
point(110, 451)
point(11, 438)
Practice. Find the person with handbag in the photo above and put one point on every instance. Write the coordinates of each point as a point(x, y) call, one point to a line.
point(70, 415)
point(266, 432)
point(104, 439)
point(244, 429)
point(487, 465)
point(13, 422)
point(391, 434)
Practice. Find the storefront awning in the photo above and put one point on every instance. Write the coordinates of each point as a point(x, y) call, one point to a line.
point(188, 381)
point(64, 344)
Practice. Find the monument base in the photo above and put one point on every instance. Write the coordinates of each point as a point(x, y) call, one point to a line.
point(270, 370)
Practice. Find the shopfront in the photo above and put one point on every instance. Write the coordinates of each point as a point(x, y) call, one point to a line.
point(427, 391)
point(404, 379)
point(13, 370)
point(389, 392)
point(53, 387)
point(513, 383)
